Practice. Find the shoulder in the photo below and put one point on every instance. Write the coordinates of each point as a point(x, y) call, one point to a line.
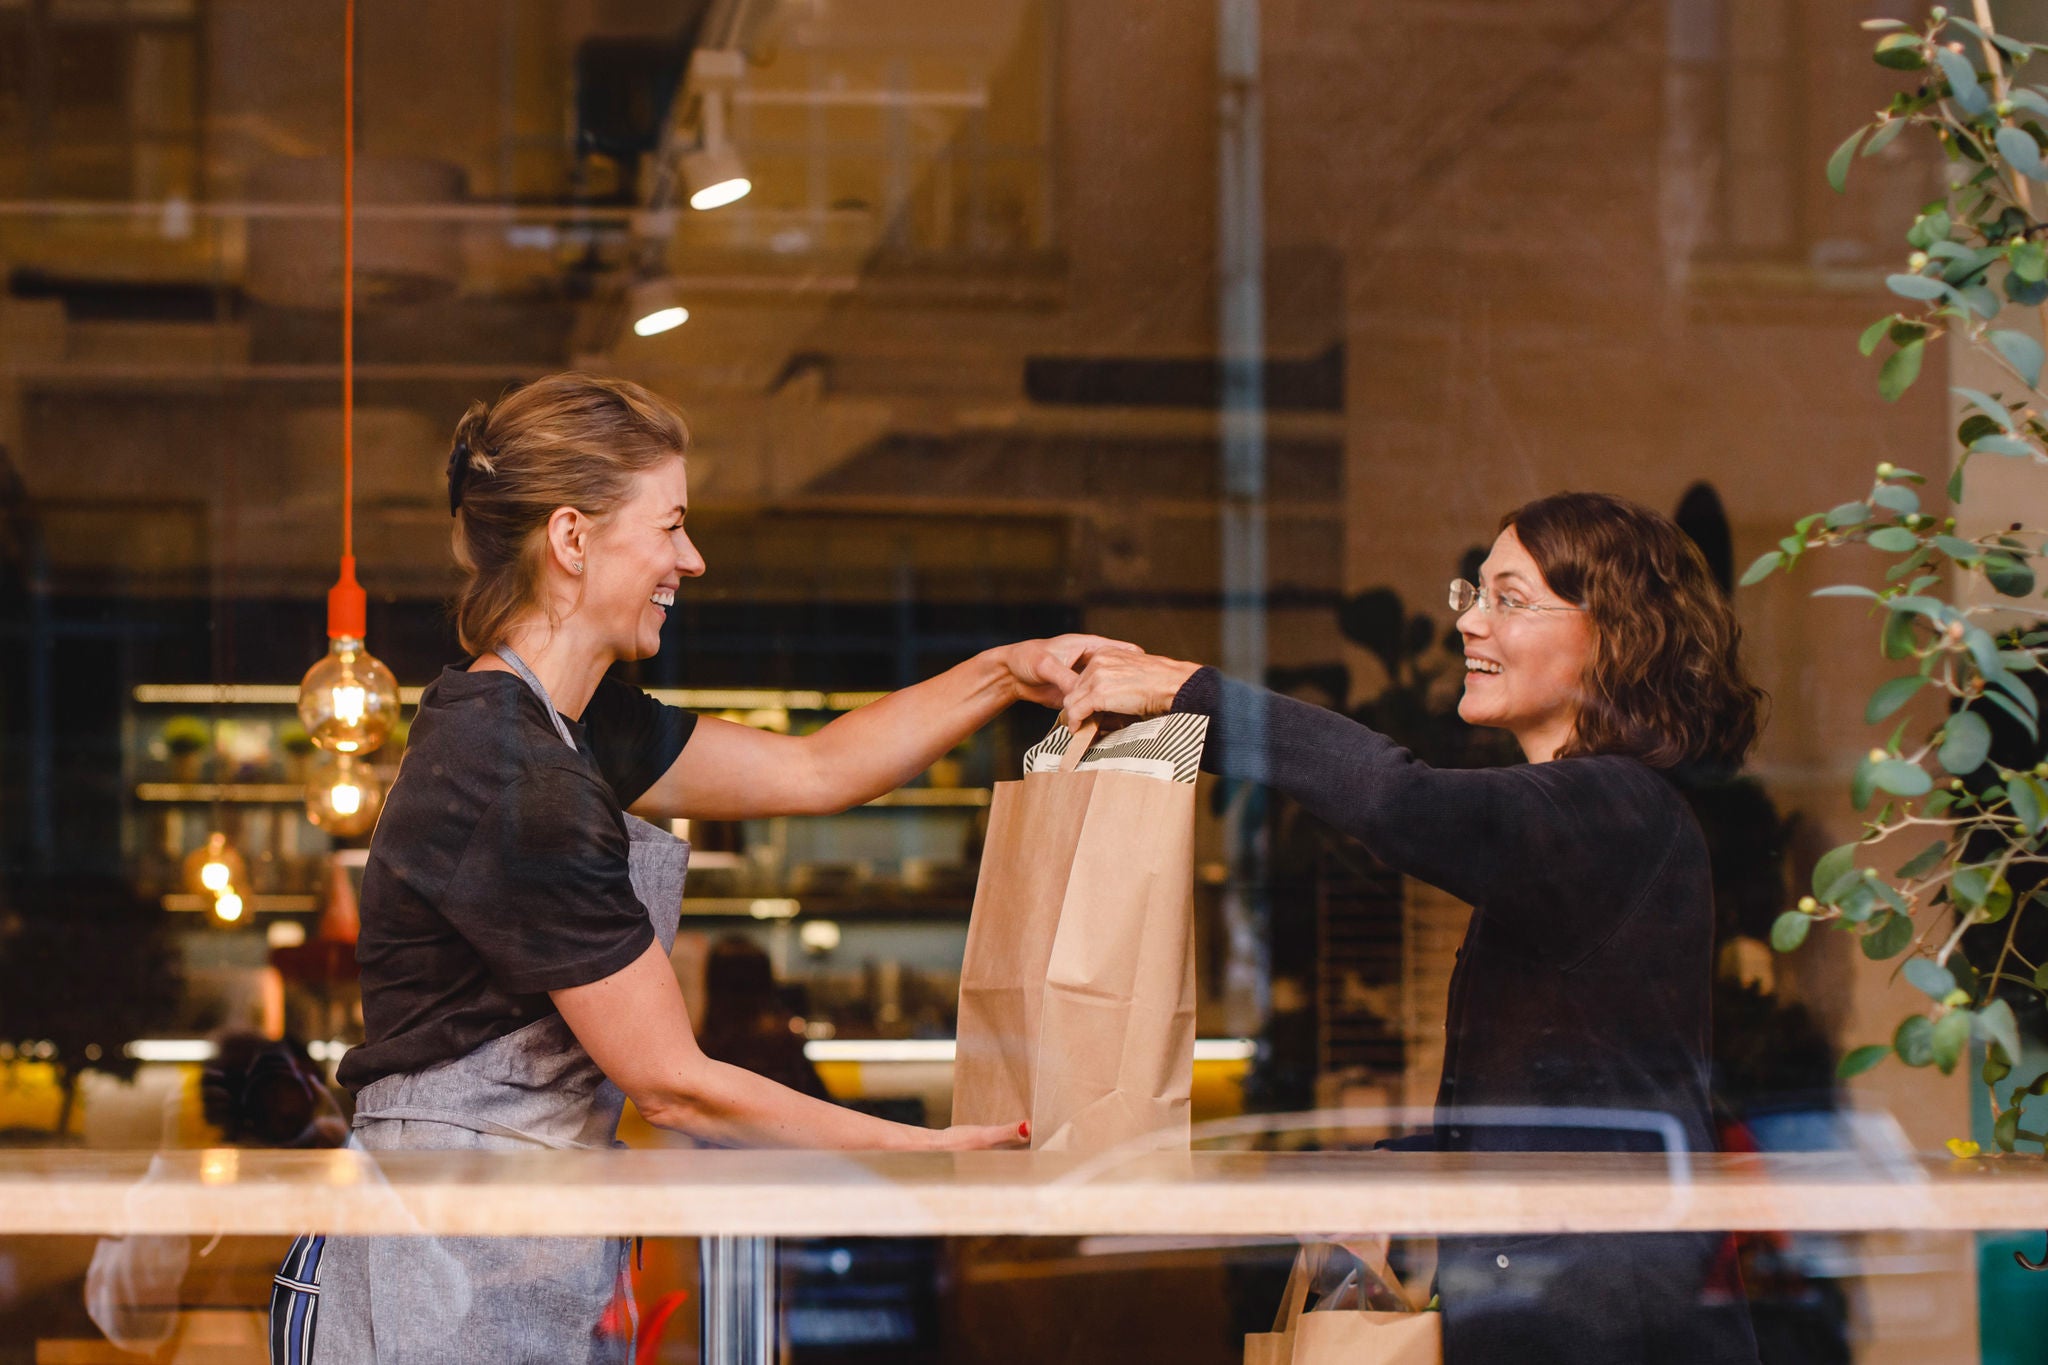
point(481, 732)
point(1618, 793)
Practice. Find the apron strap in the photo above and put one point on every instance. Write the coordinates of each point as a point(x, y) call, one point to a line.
point(519, 666)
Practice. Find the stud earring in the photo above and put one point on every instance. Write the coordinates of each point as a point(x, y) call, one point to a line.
point(576, 568)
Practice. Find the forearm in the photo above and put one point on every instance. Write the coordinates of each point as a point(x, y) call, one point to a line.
point(729, 1106)
point(1443, 826)
point(884, 744)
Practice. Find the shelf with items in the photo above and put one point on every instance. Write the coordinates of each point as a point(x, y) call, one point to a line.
point(203, 758)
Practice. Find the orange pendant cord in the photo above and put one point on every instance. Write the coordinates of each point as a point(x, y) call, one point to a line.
point(347, 608)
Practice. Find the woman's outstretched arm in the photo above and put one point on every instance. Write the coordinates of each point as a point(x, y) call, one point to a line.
point(732, 772)
point(1489, 836)
point(635, 1027)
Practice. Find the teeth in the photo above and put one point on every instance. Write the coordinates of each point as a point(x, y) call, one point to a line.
point(664, 597)
point(1481, 666)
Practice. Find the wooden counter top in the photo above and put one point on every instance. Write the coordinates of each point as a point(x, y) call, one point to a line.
point(681, 1193)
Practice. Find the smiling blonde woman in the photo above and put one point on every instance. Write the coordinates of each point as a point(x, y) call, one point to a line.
point(1579, 1010)
point(522, 890)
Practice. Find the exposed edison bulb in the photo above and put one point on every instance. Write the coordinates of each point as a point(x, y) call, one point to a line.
point(214, 866)
point(227, 907)
point(345, 797)
point(348, 701)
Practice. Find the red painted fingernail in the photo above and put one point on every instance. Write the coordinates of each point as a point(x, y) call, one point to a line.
point(1024, 1129)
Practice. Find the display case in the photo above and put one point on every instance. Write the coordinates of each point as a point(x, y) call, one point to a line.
point(863, 914)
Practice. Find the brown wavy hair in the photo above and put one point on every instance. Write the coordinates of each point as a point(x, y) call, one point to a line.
point(1665, 683)
point(569, 440)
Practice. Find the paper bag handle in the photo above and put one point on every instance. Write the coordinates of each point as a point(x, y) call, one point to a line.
point(1294, 1298)
point(1077, 747)
point(1373, 1256)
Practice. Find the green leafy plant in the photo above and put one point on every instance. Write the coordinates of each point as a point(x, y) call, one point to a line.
point(1975, 253)
point(184, 735)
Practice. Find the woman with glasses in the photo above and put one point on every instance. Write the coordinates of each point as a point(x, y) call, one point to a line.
point(1579, 1009)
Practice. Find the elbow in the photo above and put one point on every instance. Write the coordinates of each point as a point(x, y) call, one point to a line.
point(687, 1103)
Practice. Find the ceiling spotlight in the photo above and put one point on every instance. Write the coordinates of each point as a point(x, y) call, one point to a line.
point(655, 307)
point(714, 174)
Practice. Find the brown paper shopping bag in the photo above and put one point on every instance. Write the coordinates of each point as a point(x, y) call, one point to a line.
point(1344, 1336)
point(1077, 989)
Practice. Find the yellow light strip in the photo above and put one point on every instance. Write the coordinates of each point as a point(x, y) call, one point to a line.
point(237, 694)
point(941, 1049)
point(255, 905)
point(692, 698)
point(250, 792)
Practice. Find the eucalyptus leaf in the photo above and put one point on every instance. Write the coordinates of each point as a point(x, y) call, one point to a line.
point(1917, 287)
point(1966, 743)
point(1893, 540)
point(2026, 807)
point(1889, 938)
point(2011, 708)
point(1986, 404)
point(1846, 590)
point(1914, 1040)
point(1962, 81)
point(1887, 132)
point(1999, 444)
point(1998, 1025)
point(2025, 292)
point(2009, 576)
point(2005, 1129)
point(1925, 861)
point(1900, 52)
point(2021, 153)
point(1899, 370)
point(1894, 498)
point(1955, 547)
point(1763, 568)
point(1951, 1036)
point(1901, 778)
point(1929, 977)
point(1789, 930)
point(1875, 333)
point(1860, 1060)
point(1976, 297)
point(1834, 865)
point(2021, 351)
point(1847, 514)
point(1838, 164)
point(1891, 694)
point(2029, 262)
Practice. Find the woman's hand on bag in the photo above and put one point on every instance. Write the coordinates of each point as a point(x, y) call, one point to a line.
point(1125, 684)
point(980, 1137)
point(1043, 670)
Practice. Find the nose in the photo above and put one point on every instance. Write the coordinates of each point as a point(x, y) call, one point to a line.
point(689, 563)
point(1472, 623)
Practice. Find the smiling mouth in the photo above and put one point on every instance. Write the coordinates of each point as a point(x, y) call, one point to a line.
point(664, 598)
point(1484, 666)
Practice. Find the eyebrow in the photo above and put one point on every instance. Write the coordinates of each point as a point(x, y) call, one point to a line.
point(1515, 574)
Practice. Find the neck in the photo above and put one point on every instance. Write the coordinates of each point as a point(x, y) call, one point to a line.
point(1540, 745)
point(567, 667)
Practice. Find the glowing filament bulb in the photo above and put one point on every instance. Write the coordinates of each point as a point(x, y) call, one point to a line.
point(350, 703)
point(346, 798)
point(214, 876)
point(228, 908)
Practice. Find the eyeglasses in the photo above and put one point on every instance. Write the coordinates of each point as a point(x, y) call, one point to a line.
point(1465, 596)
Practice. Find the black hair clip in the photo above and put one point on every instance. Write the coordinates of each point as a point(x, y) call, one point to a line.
point(458, 470)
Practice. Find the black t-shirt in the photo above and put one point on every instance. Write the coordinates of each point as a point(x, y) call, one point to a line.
point(498, 871)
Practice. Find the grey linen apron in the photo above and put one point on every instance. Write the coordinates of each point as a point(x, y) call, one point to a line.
point(436, 1301)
